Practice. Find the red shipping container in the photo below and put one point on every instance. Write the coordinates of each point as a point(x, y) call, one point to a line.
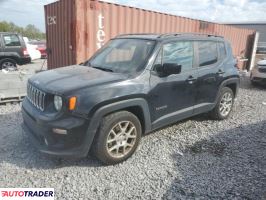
point(75, 29)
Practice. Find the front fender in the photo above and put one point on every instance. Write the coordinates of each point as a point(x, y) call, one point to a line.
point(109, 108)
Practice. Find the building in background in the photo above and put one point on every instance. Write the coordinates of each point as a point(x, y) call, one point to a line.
point(260, 27)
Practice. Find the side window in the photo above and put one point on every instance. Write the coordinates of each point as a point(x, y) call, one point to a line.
point(11, 40)
point(180, 53)
point(207, 53)
point(222, 51)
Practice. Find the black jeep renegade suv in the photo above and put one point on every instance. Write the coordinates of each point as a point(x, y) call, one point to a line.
point(131, 86)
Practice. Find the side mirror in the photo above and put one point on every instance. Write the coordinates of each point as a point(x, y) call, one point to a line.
point(168, 69)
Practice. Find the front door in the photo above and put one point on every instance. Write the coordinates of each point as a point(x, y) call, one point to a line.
point(172, 98)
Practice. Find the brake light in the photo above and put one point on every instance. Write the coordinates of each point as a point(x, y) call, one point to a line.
point(25, 52)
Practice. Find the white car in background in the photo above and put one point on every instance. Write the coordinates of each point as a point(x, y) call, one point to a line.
point(32, 50)
point(258, 73)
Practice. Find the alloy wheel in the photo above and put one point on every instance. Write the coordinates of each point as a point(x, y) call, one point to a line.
point(8, 65)
point(226, 104)
point(121, 139)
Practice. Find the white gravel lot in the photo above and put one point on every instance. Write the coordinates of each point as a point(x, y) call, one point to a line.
point(194, 159)
point(35, 65)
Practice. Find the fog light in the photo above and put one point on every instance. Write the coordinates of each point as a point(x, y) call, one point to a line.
point(60, 131)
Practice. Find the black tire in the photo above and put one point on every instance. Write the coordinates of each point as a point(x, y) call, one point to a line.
point(216, 113)
point(4, 62)
point(253, 83)
point(100, 145)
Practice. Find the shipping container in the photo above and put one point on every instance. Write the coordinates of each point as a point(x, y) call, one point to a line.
point(75, 29)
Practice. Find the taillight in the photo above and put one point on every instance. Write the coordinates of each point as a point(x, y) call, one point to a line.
point(25, 52)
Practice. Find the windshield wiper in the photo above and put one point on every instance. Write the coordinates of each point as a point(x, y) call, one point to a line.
point(100, 68)
point(103, 69)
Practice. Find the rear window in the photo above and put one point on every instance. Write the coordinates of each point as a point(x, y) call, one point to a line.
point(208, 54)
point(11, 40)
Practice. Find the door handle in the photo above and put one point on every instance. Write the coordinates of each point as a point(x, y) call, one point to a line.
point(191, 79)
point(220, 72)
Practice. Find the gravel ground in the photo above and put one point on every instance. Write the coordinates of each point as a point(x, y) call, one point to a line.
point(194, 159)
point(35, 65)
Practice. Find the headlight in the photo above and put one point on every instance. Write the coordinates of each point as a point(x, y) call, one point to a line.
point(58, 102)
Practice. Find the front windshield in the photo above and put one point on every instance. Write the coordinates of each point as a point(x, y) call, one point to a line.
point(123, 55)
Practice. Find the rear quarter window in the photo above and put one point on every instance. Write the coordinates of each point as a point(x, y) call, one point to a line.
point(222, 50)
point(208, 54)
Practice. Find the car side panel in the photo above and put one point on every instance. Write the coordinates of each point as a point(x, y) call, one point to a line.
point(14, 52)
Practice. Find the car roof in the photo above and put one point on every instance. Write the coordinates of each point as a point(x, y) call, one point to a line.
point(171, 36)
point(9, 33)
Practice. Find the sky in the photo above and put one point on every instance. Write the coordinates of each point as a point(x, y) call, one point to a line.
point(24, 12)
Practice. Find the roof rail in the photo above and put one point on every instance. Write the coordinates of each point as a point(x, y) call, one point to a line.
point(128, 34)
point(177, 34)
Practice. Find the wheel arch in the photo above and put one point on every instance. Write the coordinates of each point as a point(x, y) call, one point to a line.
point(9, 57)
point(233, 87)
point(137, 106)
point(232, 83)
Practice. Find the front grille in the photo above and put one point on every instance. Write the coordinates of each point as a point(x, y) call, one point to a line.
point(262, 70)
point(36, 97)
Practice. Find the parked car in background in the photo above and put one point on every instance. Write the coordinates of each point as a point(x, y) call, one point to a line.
point(133, 85)
point(261, 49)
point(41, 46)
point(32, 49)
point(13, 50)
point(258, 73)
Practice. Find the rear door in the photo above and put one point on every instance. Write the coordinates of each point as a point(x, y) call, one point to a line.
point(210, 74)
point(172, 98)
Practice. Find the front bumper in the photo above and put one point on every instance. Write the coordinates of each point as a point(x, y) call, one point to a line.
point(257, 76)
point(39, 129)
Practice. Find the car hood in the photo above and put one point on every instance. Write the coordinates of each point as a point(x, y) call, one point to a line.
point(262, 63)
point(65, 79)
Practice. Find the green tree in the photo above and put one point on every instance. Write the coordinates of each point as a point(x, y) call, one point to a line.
point(29, 31)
